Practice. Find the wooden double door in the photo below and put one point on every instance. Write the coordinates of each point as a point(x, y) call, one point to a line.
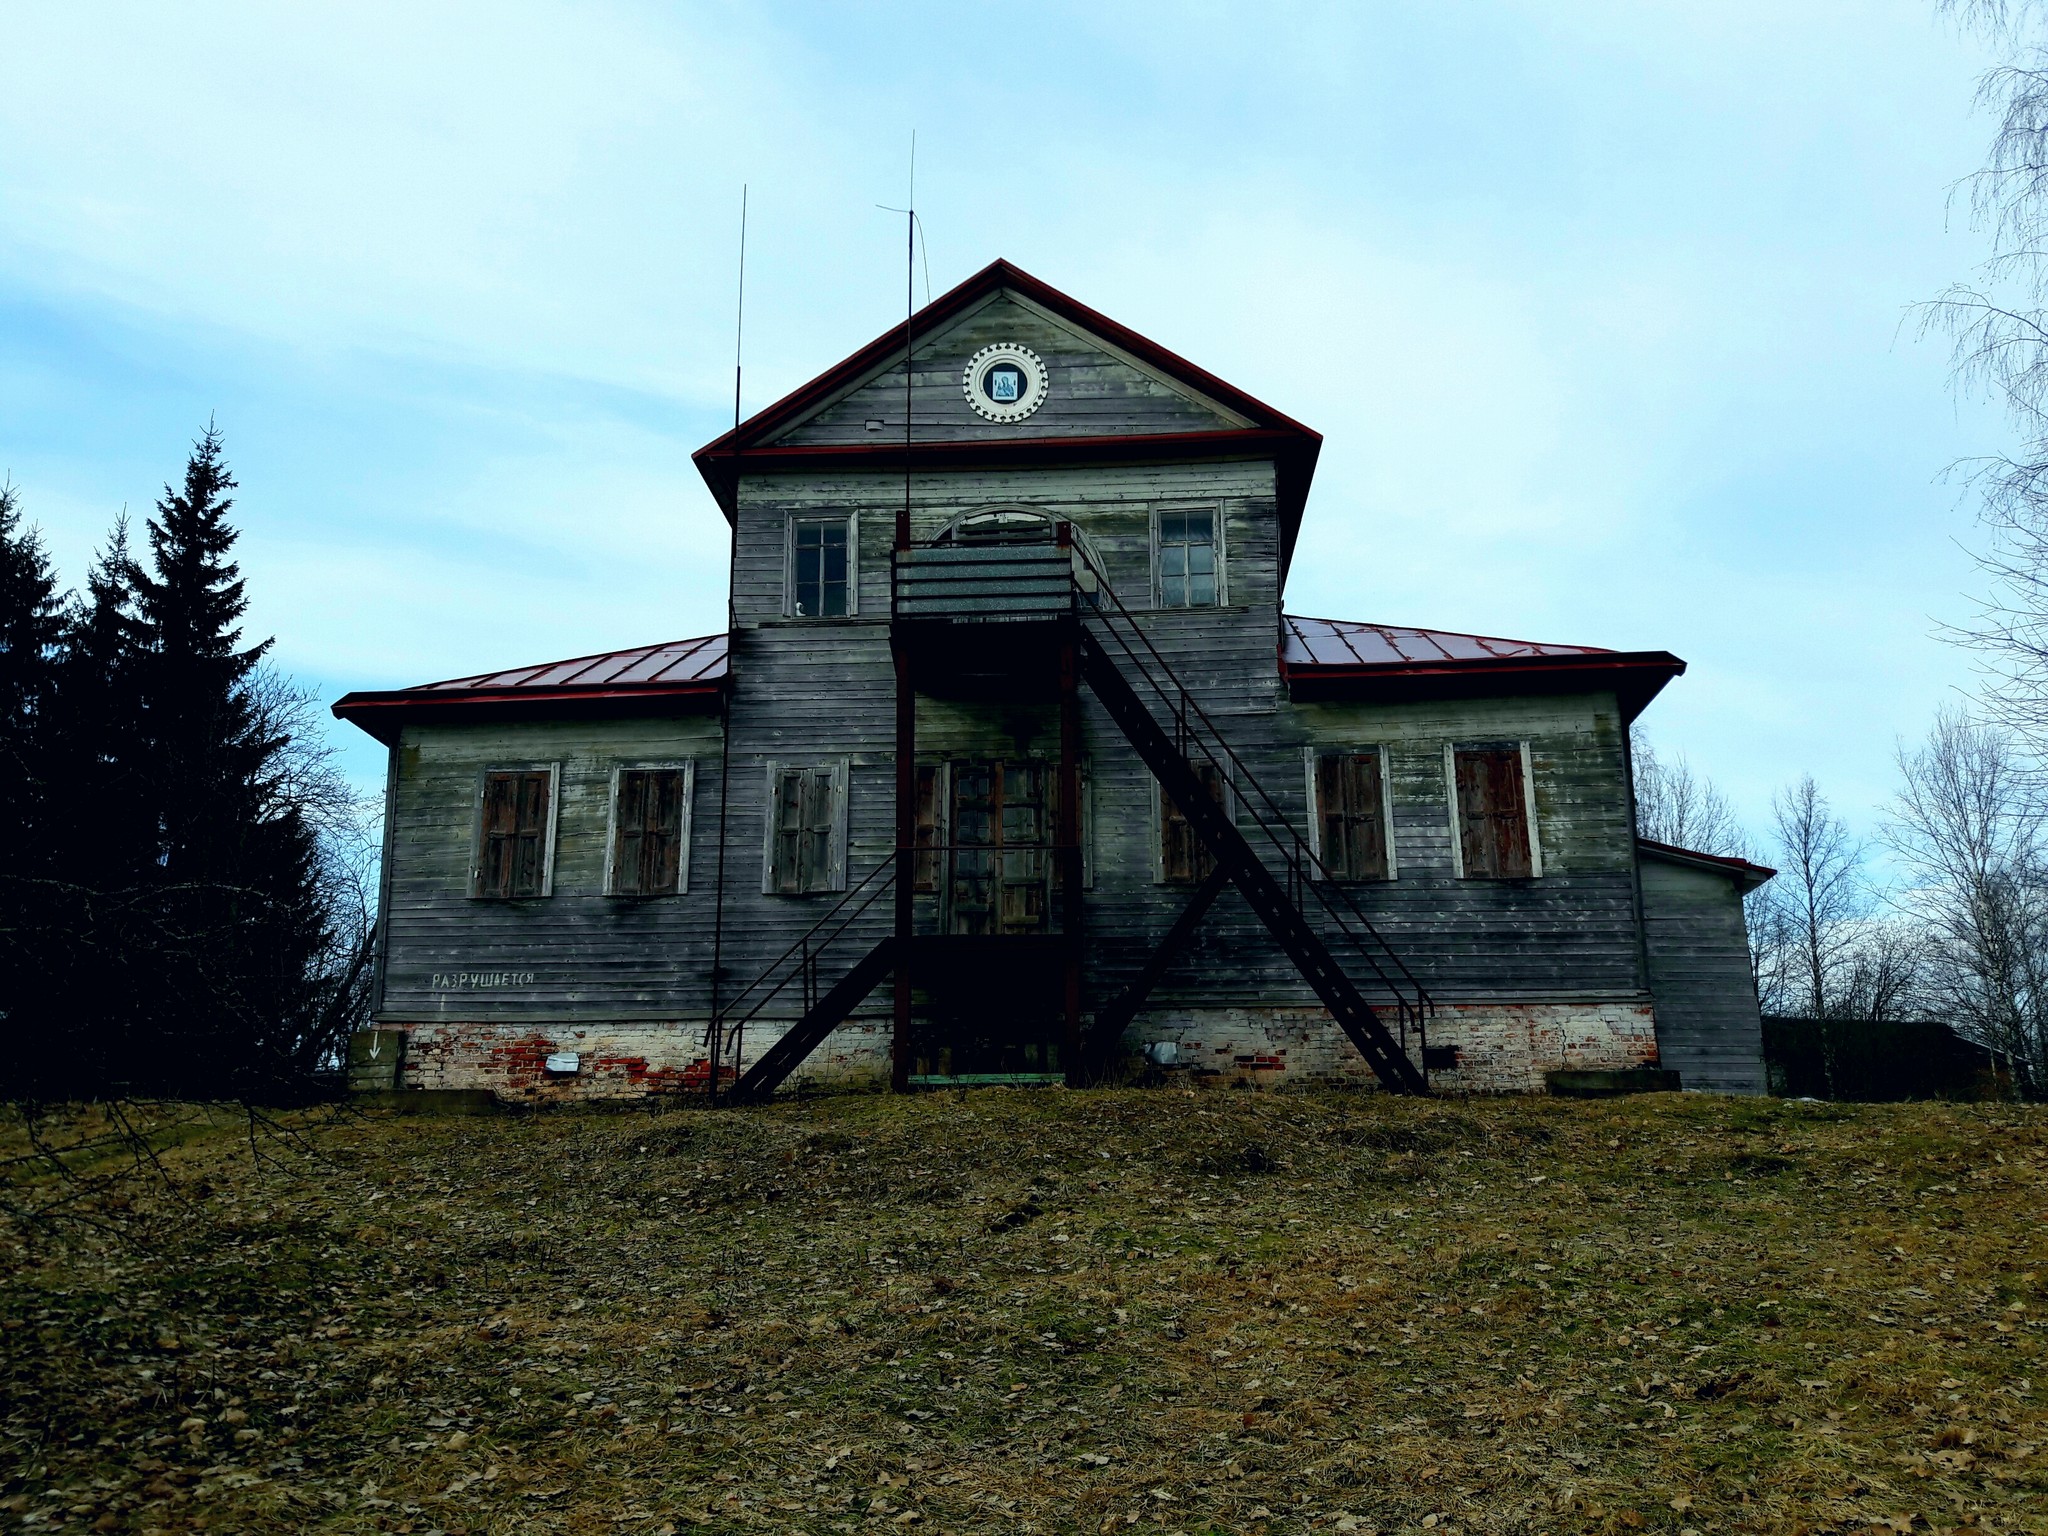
point(1000, 865)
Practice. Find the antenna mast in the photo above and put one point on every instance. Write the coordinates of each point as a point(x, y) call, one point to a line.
point(717, 1041)
point(909, 345)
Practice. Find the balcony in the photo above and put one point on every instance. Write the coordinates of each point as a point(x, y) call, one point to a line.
point(984, 621)
point(984, 583)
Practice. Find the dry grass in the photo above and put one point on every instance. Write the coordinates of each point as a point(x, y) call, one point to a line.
point(1043, 1311)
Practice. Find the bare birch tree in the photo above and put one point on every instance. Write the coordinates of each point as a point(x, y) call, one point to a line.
point(1997, 323)
point(1674, 805)
point(1822, 894)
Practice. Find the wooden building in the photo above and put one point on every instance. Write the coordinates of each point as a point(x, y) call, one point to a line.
point(1012, 767)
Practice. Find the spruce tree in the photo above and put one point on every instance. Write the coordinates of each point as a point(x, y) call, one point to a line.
point(31, 631)
point(32, 619)
point(96, 963)
point(240, 917)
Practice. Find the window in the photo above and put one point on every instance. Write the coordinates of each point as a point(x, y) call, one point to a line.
point(1184, 859)
point(806, 830)
point(1187, 560)
point(1491, 813)
point(1351, 822)
point(820, 567)
point(650, 846)
point(1001, 867)
point(515, 834)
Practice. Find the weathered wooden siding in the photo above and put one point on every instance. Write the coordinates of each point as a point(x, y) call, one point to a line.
point(576, 953)
point(1709, 1029)
point(1093, 392)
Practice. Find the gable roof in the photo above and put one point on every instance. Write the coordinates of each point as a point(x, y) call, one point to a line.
point(749, 448)
point(680, 676)
point(1338, 658)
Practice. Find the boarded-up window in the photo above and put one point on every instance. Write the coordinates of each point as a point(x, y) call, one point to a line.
point(650, 827)
point(1184, 859)
point(512, 837)
point(925, 862)
point(803, 831)
point(1351, 822)
point(1493, 813)
point(820, 560)
point(1187, 559)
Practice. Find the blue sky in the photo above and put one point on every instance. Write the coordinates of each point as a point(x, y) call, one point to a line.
point(1599, 307)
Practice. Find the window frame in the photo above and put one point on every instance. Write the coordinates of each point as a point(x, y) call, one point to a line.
point(547, 853)
point(1451, 751)
point(851, 519)
point(1159, 805)
point(1215, 512)
point(841, 774)
point(688, 768)
point(1311, 757)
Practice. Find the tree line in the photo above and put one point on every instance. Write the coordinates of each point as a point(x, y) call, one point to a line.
point(185, 901)
point(1942, 915)
point(1951, 922)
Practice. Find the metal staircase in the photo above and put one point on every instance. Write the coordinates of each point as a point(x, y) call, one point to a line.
point(1274, 902)
point(1114, 649)
point(1310, 915)
point(799, 967)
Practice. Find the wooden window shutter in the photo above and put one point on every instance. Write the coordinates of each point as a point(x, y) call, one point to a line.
point(817, 830)
point(786, 872)
point(512, 852)
point(1184, 859)
point(925, 862)
point(1493, 817)
point(647, 844)
point(1352, 811)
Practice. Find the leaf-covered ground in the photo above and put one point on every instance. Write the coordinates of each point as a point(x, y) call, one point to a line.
point(1016, 1311)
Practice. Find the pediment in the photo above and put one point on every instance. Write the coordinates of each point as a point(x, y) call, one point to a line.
point(1093, 388)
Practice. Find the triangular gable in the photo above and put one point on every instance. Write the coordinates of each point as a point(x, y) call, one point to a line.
point(1170, 408)
point(1095, 389)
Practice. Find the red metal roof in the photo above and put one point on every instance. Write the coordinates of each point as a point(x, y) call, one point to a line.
point(685, 674)
point(1319, 658)
point(1344, 643)
point(1338, 658)
point(675, 661)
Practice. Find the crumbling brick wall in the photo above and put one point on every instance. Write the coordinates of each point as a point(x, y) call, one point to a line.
point(1499, 1049)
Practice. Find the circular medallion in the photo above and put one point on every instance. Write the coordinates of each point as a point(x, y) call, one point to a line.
point(1004, 382)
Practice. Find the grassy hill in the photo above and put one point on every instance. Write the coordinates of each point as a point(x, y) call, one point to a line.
point(1037, 1311)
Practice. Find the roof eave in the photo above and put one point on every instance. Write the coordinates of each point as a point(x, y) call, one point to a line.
point(384, 714)
point(1636, 677)
point(1744, 873)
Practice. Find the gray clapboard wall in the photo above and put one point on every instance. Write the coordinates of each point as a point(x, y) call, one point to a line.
point(820, 693)
point(575, 953)
point(1709, 1029)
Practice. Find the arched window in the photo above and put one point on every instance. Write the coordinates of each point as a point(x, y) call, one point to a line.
point(1026, 525)
point(1001, 525)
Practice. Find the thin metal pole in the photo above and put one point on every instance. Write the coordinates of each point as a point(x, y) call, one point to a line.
point(717, 1042)
point(906, 698)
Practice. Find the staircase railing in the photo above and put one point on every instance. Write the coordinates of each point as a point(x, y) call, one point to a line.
point(797, 966)
point(1306, 875)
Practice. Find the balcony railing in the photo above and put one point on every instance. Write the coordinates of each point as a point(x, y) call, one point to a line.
point(985, 583)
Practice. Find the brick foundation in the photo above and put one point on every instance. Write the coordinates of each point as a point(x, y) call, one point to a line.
point(1500, 1049)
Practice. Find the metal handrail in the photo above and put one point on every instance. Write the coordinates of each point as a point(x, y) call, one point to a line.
point(725, 1024)
point(1182, 707)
